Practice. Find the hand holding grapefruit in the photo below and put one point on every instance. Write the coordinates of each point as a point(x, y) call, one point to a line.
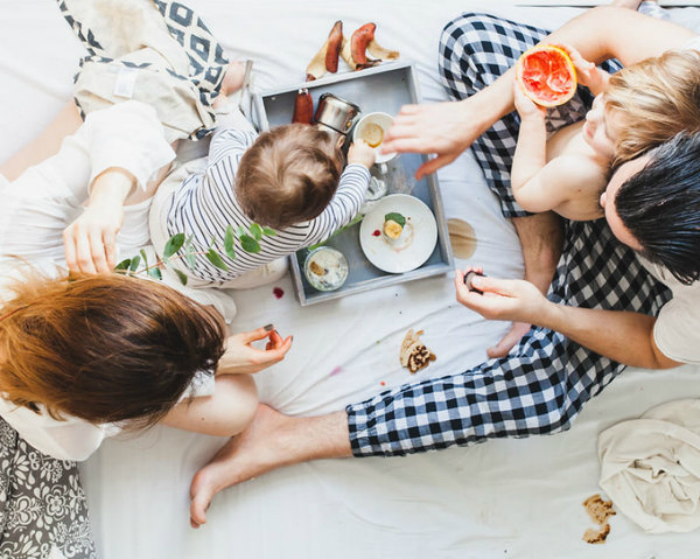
point(547, 75)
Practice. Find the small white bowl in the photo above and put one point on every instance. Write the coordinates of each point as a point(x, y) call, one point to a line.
point(326, 269)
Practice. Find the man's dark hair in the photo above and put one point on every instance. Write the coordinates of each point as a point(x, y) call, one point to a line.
point(660, 206)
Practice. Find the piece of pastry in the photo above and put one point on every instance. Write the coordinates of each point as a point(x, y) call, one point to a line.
point(414, 354)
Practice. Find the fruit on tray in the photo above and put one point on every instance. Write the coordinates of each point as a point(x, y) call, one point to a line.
point(546, 75)
point(394, 223)
point(353, 51)
point(303, 107)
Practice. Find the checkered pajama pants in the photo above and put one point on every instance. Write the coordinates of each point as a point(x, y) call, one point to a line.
point(546, 379)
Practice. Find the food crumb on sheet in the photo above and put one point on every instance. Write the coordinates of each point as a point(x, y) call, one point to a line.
point(599, 511)
point(414, 355)
point(598, 536)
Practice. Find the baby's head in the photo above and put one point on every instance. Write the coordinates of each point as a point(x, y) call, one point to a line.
point(654, 100)
point(288, 175)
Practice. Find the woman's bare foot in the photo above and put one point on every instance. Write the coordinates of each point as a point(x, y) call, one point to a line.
point(257, 450)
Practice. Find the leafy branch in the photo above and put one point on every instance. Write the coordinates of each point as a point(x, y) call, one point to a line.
point(178, 247)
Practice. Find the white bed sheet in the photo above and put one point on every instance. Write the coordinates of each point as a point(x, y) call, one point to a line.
point(508, 498)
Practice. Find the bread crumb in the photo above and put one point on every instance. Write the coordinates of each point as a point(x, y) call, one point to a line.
point(594, 536)
point(414, 355)
point(598, 510)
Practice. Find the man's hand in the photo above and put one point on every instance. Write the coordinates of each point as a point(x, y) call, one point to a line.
point(241, 357)
point(514, 300)
point(446, 129)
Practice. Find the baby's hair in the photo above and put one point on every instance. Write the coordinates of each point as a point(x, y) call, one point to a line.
point(657, 98)
point(289, 175)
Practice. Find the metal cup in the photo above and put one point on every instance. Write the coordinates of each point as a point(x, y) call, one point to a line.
point(335, 115)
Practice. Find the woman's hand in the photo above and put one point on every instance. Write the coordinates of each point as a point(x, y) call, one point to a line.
point(90, 242)
point(241, 357)
point(514, 300)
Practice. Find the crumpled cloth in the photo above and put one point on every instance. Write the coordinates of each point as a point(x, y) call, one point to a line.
point(650, 467)
point(159, 52)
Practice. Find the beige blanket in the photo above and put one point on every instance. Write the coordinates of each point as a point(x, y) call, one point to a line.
point(650, 467)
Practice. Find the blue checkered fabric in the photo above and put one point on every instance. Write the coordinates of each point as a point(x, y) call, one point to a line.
point(546, 379)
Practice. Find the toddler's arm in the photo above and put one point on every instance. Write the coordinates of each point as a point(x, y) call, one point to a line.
point(232, 137)
point(539, 186)
point(530, 158)
point(348, 199)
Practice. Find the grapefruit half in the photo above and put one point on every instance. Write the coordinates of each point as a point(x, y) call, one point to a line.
point(547, 76)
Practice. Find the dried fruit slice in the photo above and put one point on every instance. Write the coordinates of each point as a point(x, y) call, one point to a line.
point(326, 59)
point(335, 42)
point(547, 76)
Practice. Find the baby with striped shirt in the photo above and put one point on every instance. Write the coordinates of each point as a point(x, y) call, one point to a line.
point(290, 179)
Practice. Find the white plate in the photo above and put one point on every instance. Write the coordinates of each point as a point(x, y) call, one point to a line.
point(388, 257)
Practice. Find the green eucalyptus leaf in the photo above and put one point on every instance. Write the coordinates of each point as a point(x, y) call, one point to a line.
point(123, 265)
point(155, 273)
point(215, 259)
point(135, 263)
point(269, 232)
point(229, 240)
point(173, 245)
point(145, 258)
point(240, 231)
point(397, 217)
point(255, 231)
point(249, 244)
point(182, 277)
point(191, 258)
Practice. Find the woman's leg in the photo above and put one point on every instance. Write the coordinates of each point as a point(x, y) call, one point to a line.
point(43, 509)
point(47, 144)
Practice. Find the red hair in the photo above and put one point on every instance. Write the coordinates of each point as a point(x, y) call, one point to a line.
point(104, 348)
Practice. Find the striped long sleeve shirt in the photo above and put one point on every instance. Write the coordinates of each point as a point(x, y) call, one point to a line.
point(205, 205)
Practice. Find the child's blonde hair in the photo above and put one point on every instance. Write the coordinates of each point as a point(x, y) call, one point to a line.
point(288, 175)
point(657, 98)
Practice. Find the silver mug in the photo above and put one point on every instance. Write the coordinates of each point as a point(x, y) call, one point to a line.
point(335, 115)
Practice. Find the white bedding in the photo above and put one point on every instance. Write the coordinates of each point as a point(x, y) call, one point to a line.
point(507, 498)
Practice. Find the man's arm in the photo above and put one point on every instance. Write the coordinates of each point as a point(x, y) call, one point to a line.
point(625, 337)
point(604, 32)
